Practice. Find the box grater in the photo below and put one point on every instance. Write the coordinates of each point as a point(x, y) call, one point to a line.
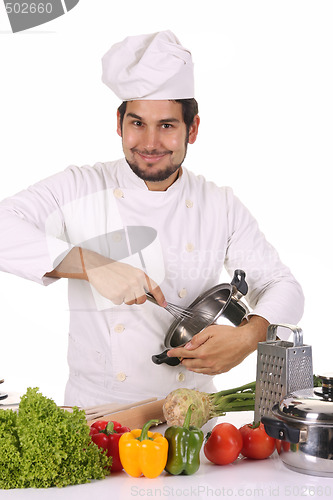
point(282, 367)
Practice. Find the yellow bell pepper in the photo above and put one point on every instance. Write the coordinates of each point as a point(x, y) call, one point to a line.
point(143, 452)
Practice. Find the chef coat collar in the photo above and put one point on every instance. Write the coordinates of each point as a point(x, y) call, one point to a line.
point(132, 180)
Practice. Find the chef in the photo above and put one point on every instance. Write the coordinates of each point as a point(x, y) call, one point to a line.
point(145, 223)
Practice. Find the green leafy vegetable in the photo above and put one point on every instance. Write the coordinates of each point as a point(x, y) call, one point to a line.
point(44, 445)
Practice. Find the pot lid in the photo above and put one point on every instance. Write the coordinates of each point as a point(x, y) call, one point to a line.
point(312, 405)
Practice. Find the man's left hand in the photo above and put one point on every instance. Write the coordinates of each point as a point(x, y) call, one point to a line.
point(219, 348)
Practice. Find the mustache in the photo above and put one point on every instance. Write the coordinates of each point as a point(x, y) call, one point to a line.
point(153, 152)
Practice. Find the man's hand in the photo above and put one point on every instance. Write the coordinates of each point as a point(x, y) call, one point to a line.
point(114, 280)
point(219, 348)
point(121, 282)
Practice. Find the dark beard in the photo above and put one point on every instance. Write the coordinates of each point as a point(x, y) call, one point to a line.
point(157, 176)
point(153, 177)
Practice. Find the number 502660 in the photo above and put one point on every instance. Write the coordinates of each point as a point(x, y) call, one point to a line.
point(28, 8)
point(307, 491)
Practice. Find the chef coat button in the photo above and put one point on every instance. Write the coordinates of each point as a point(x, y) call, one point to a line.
point(118, 193)
point(121, 376)
point(119, 328)
point(182, 293)
point(189, 247)
point(180, 377)
point(189, 203)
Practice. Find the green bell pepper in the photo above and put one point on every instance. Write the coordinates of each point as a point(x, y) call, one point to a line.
point(184, 447)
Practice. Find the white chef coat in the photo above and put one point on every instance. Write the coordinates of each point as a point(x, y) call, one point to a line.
point(182, 237)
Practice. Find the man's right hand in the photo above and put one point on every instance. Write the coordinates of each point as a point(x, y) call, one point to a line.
point(118, 282)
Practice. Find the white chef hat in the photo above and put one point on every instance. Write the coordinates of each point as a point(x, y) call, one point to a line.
point(153, 66)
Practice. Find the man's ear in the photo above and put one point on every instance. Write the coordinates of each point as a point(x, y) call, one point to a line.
point(118, 124)
point(194, 128)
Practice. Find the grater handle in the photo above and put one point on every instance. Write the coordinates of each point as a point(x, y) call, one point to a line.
point(298, 333)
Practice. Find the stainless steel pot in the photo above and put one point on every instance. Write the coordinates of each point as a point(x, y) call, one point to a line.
point(221, 300)
point(303, 420)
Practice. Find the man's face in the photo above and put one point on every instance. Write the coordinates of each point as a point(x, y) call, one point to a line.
point(155, 140)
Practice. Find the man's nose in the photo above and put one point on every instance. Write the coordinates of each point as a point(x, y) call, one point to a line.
point(151, 138)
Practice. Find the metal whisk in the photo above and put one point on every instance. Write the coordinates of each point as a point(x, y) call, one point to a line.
point(193, 320)
point(177, 312)
point(200, 319)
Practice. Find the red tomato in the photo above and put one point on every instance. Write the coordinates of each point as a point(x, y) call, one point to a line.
point(224, 444)
point(256, 443)
point(282, 444)
point(278, 445)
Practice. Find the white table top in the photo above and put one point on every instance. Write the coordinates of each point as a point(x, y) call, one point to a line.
point(244, 478)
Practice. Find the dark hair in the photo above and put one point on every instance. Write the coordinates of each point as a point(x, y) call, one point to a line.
point(189, 107)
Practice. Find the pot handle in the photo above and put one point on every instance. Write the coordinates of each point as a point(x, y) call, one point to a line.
point(280, 430)
point(239, 282)
point(298, 333)
point(158, 359)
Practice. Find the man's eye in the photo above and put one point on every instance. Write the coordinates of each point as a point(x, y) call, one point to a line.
point(137, 123)
point(166, 125)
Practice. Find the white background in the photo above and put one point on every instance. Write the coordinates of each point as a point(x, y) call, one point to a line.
point(264, 83)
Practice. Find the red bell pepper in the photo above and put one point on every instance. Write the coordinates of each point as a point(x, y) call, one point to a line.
point(106, 435)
